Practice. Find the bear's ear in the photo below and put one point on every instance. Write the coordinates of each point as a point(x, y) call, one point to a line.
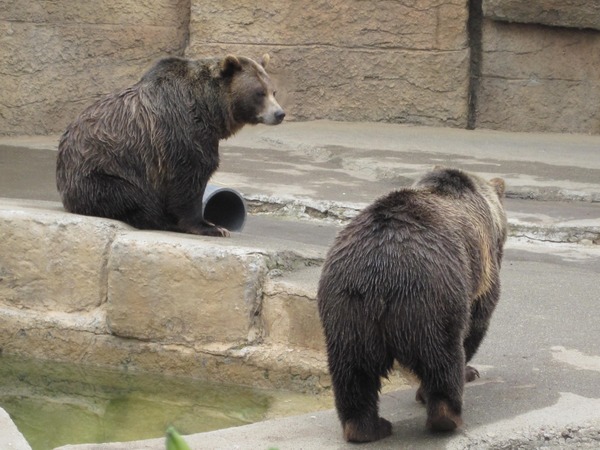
point(264, 61)
point(499, 185)
point(229, 65)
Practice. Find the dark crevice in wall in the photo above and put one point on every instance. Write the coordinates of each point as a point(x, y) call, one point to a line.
point(186, 24)
point(474, 30)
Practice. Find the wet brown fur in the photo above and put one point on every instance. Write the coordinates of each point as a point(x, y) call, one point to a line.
point(145, 154)
point(413, 278)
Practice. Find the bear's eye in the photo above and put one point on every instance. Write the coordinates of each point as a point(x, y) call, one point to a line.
point(260, 94)
point(274, 93)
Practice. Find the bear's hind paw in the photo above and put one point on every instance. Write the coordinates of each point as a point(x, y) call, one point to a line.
point(443, 418)
point(471, 373)
point(355, 431)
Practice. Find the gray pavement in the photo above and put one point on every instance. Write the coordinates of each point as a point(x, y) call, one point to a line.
point(540, 363)
point(10, 437)
point(331, 170)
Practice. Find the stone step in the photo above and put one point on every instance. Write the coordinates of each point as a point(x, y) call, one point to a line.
point(96, 291)
point(289, 310)
point(553, 221)
point(10, 436)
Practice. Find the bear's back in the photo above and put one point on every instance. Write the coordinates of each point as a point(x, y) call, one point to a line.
point(412, 243)
point(399, 243)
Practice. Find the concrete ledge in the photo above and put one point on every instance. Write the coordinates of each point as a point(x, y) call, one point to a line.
point(52, 260)
point(555, 427)
point(239, 310)
point(176, 289)
point(96, 291)
point(559, 13)
point(290, 311)
point(10, 436)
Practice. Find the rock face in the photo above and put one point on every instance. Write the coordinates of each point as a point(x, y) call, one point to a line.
point(516, 65)
point(539, 78)
point(52, 261)
point(57, 57)
point(361, 61)
point(96, 291)
point(168, 288)
point(290, 319)
point(557, 13)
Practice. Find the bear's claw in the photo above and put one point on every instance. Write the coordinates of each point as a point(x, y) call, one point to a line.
point(471, 373)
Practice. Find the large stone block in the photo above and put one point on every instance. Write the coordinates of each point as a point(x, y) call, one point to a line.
point(51, 260)
point(56, 59)
point(71, 337)
point(539, 78)
point(10, 434)
point(362, 61)
point(399, 86)
point(422, 25)
point(290, 312)
point(560, 13)
point(105, 12)
point(177, 289)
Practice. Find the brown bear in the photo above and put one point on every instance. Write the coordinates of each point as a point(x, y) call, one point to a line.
point(145, 154)
point(413, 278)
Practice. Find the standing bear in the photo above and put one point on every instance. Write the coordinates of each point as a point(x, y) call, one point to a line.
point(413, 278)
point(145, 154)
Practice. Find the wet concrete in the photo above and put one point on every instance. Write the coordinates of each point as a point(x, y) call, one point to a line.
point(28, 173)
point(538, 366)
point(539, 384)
point(282, 175)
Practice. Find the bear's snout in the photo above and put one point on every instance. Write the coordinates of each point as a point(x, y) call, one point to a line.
point(272, 113)
point(279, 116)
point(272, 117)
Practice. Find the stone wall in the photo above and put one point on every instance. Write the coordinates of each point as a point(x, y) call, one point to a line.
point(57, 57)
point(539, 69)
point(402, 61)
point(520, 65)
point(556, 13)
point(96, 291)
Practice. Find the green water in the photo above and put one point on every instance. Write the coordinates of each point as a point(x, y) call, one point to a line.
point(55, 404)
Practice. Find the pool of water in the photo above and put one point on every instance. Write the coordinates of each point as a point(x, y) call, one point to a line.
point(55, 404)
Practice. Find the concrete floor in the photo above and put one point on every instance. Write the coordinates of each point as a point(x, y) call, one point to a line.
point(540, 363)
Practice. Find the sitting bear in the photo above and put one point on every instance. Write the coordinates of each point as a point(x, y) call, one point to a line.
point(414, 278)
point(145, 154)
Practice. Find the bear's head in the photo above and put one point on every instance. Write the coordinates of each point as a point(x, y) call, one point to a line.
point(451, 181)
point(458, 183)
point(251, 91)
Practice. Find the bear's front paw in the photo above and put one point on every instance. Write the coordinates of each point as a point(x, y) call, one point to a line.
point(207, 229)
point(355, 431)
point(223, 232)
point(471, 373)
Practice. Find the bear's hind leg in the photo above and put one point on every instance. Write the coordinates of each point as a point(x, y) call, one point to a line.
point(113, 197)
point(355, 431)
point(442, 383)
point(481, 312)
point(471, 374)
point(356, 368)
point(357, 400)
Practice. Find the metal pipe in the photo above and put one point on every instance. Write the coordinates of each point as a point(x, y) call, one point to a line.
point(224, 207)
